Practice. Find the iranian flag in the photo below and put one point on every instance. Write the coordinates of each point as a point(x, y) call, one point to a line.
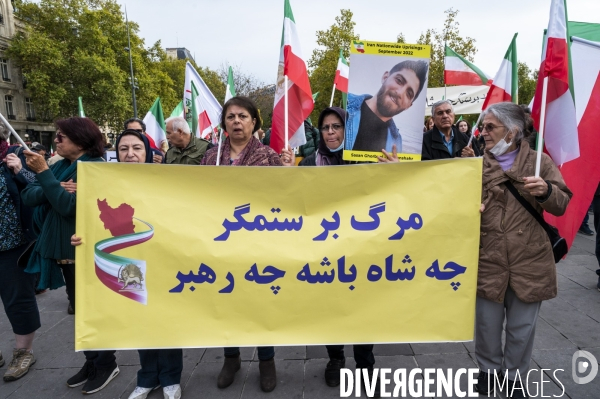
point(560, 126)
point(505, 83)
point(342, 73)
point(299, 95)
point(155, 125)
point(230, 90)
point(201, 122)
point(178, 111)
point(207, 107)
point(460, 71)
point(582, 174)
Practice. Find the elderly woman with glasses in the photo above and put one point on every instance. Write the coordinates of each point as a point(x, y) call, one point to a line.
point(516, 262)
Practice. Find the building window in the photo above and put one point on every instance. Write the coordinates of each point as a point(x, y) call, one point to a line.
point(29, 110)
point(1, 14)
point(4, 68)
point(8, 101)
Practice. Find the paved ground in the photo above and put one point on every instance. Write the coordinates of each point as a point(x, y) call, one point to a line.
point(567, 323)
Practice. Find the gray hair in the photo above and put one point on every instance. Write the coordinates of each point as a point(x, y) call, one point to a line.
point(511, 116)
point(438, 103)
point(179, 123)
point(4, 133)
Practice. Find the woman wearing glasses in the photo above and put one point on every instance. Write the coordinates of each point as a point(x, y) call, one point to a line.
point(331, 140)
point(54, 199)
point(329, 152)
point(516, 263)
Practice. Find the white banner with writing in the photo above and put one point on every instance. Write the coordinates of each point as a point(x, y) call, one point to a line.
point(465, 99)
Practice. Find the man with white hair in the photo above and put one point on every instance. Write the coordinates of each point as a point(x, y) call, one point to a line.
point(186, 149)
point(445, 140)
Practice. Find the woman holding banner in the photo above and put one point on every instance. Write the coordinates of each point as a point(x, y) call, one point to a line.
point(54, 197)
point(240, 119)
point(516, 263)
point(329, 152)
point(17, 288)
point(159, 367)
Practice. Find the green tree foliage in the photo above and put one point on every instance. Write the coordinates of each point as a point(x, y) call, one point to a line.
point(324, 59)
point(527, 83)
point(449, 35)
point(72, 48)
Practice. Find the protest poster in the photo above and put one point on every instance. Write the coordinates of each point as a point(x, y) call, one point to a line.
point(465, 99)
point(386, 98)
point(178, 256)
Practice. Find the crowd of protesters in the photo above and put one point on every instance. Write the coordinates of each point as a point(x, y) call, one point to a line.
point(516, 265)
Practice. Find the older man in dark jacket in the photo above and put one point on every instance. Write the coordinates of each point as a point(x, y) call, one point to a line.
point(444, 140)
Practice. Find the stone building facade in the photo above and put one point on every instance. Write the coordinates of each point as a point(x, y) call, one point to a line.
point(15, 103)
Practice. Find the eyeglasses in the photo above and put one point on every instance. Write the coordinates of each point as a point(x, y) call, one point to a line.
point(59, 137)
point(489, 127)
point(335, 126)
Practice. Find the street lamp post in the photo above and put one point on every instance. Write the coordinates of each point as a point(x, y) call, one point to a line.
point(132, 79)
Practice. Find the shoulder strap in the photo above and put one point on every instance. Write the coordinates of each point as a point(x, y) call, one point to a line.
point(513, 190)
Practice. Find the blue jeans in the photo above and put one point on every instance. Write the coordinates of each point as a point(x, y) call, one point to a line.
point(264, 352)
point(160, 367)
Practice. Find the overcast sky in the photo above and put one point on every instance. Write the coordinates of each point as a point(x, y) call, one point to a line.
point(247, 33)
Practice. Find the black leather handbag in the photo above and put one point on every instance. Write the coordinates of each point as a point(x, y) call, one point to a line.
point(559, 244)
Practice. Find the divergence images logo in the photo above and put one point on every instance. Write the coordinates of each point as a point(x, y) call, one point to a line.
point(125, 276)
point(584, 362)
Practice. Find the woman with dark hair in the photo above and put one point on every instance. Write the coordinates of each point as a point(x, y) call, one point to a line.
point(54, 199)
point(159, 367)
point(240, 119)
point(331, 143)
point(329, 152)
point(464, 127)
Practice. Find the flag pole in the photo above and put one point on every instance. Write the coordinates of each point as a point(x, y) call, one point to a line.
point(10, 128)
point(473, 129)
point(540, 139)
point(332, 93)
point(219, 147)
point(285, 129)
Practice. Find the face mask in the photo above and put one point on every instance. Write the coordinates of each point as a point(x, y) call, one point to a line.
point(501, 147)
point(339, 148)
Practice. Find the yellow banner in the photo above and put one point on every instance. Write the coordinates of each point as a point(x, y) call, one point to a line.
point(371, 156)
point(187, 256)
point(392, 49)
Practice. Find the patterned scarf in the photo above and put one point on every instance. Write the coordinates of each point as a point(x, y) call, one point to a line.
point(255, 154)
point(3, 149)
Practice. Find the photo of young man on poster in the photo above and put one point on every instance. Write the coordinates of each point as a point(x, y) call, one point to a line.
point(371, 116)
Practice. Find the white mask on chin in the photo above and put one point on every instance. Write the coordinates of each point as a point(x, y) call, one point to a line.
point(501, 146)
point(339, 148)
